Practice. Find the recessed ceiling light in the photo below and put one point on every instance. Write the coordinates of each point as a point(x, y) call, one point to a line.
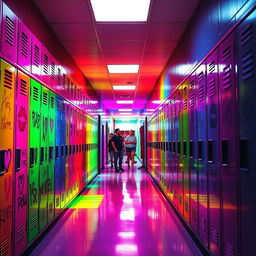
point(157, 101)
point(123, 69)
point(125, 113)
point(117, 10)
point(93, 101)
point(151, 110)
point(124, 101)
point(124, 87)
point(125, 110)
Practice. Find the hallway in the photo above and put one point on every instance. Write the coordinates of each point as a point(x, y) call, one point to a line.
point(119, 214)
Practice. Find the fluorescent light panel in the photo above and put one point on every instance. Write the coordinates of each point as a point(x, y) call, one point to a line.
point(120, 69)
point(124, 101)
point(124, 87)
point(125, 110)
point(120, 10)
point(123, 113)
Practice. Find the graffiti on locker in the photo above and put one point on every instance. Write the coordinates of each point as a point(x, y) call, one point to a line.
point(45, 128)
point(33, 193)
point(6, 122)
point(6, 157)
point(36, 119)
point(22, 199)
point(213, 116)
point(22, 119)
point(5, 218)
point(44, 184)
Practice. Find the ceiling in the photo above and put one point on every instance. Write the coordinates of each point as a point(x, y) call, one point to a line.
point(93, 45)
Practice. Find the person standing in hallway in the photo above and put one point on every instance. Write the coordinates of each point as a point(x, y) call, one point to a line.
point(130, 146)
point(111, 150)
point(118, 144)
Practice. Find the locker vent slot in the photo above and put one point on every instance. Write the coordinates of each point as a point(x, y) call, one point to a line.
point(46, 63)
point(185, 104)
point(201, 93)
point(212, 67)
point(58, 105)
point(64, 81)
point(214, 235)
point(43, 214)
point(179, 106)
point(9, 33)
point(180, 199)
point(53, 68)
point(185, 91)
point(226, 54)
point(192, 84)
point(4, 247)
point(52, 102)
point(50, 207)
point(68, 84)
point(24, 44)
point(192, 99)
point(33, 222)
point(247, 34)
point(203, 223)
point(194, 214)
point(212, 90)
point(35, 93)
point(8, 79)
point(20, 234)
point(247, 65)
point(227, 76)
point(59, 77)
point(23, 87)
point(45, 98)
point(200, 76)
point(36, 56)
point(229, 249)
point(57, 200)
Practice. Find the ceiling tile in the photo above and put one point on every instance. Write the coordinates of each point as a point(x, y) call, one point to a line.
point(166, 31)
point(88, 59)
point(122, 58)
point(172, 11)
point(155, 59)
point(93, 69)
point(74, 31)
point(160, 46)
point(80, 47)
point(121, 31)
point(151, 68)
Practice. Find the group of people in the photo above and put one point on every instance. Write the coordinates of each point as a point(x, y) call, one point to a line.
point(116, 146)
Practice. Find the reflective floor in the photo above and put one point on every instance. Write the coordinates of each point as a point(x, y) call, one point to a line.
point(119, 214)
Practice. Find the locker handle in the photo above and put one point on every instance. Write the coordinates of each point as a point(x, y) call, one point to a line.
point(179, 147)
point(17, 159)
point(243, 154)
point(1, 162)
point(62, 151)
point(31, 158)
point(42, 155)
point(225, 146)
point(191, 149)
point(184, 148)
point(200, 150)
point(56, 152)
point(50, 153)
point(210, 151)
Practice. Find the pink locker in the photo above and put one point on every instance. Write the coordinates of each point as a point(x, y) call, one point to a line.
point(24, 46)
point(9, 40)
point(53, 73)
point(59, 79)
point(36, 53)
point(21, 162)
point(45, 68)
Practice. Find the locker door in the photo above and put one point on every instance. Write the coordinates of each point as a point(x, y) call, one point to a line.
point(185, 155)
point(192, 123)
point(51, 155)
point(7, 87)
point(36, 55)
point(72, 152)
point(21, 162)
point(247, 126)
point(45, 69)
point(9, 41)
point(59, 153)
point(228, 145)
point(34, 157)
point(202, 154)
point(213, 153)
point(44, 158)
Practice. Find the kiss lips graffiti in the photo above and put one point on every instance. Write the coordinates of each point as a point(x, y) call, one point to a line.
point(22, 119)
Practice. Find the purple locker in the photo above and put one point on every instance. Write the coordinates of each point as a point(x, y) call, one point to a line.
point(21, 162)
point(9, 40)
point(203, 229)
point(45, 68)
point(213, 153)
point(228, 145)
point(24, 46)
point(192, 123)
point(36, 55)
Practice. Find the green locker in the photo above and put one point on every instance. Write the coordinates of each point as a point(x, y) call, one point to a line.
point(34, 158)
point(52, 123)
point(44, 158)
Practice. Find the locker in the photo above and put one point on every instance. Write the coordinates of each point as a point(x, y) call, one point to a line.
point(202, 154)
point(24, 46)
point(44, 158)
point(51, 156)
point(7, 94)
point(36, 57)
point(59, 152)
point(9, 41)
point(228, 145)
point(213, 153)
point(246, 85)
point(72, 152)
point(34, 158)
point(54, 69)
point(45, 68)
point(21, 162)
point(193, 146)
